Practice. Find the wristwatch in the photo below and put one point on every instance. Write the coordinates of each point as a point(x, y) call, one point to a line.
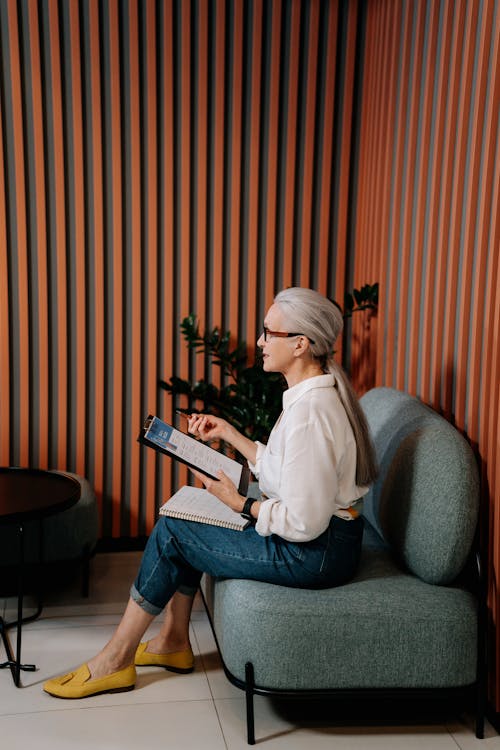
point(245, 513)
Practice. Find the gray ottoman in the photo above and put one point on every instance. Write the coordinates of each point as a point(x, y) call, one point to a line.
point(68, 538)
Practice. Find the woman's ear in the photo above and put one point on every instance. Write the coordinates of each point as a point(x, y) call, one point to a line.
point(301, 346)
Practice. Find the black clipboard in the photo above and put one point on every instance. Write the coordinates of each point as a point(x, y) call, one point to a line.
point(163, 445)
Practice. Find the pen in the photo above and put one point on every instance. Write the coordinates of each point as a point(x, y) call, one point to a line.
point(182, 414)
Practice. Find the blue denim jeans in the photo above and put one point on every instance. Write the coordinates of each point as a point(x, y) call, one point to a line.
point(178, 553)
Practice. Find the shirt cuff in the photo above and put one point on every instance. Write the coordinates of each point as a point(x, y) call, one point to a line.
point(255, 468)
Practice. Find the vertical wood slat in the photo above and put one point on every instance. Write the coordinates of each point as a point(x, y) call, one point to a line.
point(152, 253)
point(185, 191)
point(309, 126)
point(361, 350)
point(5, 390)
point(60, 352)
point(339, 240)
point(254, 173)
point(291, 143)
point(326, 189)
point(115, 249)
point(273, 151)
point(236, 122)
point(167, 247)
point(201, 184)
point(79, 343)
point(21, 280)
point(97, 370)
point(138, 347)
point(339, 200)
point(218, 166)
point(39, 207)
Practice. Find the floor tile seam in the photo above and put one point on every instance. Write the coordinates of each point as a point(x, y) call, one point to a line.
point(36, 627)
point(457, 743)
point(23, 714)
point(76, 612)
point(221, 725)
point(64, 619)
point(199, 655)
point(203, 662)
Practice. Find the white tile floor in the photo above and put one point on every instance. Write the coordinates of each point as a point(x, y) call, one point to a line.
point(172, 712)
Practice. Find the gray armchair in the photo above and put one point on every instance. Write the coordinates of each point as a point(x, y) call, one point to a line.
point(407, 625)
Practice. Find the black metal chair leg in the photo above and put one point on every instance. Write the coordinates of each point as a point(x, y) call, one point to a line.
point(249, 686)
point(482, 647)
point(479, 724)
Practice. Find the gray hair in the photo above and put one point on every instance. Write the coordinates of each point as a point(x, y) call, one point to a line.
point(319, 319)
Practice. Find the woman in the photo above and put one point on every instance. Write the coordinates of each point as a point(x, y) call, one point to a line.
point(305, 533)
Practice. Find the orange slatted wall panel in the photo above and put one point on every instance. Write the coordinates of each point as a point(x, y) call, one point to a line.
point(427, 224)
point(157, 157)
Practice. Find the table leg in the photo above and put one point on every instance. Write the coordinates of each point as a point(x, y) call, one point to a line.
point(15, 664)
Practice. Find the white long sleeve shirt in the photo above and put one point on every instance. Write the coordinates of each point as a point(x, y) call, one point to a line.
point(307, 469)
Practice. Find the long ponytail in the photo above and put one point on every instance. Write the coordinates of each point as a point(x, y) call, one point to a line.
point(366, 466)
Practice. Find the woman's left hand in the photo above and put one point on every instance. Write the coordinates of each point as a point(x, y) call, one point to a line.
point(223, 488)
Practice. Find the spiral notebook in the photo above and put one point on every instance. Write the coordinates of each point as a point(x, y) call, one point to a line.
point(194, 504)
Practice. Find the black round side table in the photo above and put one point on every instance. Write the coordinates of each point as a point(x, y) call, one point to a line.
point(27, 495)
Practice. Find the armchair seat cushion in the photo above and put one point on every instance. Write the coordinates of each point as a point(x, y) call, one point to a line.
point(385, 629)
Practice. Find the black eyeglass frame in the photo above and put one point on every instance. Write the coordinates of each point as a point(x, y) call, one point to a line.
point(283, 334)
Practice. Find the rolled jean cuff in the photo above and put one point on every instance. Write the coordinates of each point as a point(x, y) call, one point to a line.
point(187, 590)
point(143, 603)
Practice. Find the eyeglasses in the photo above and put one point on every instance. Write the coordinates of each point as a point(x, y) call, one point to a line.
point(282, 334)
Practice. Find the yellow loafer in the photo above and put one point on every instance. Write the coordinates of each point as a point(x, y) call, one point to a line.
point(79, 684)
point(177, 661)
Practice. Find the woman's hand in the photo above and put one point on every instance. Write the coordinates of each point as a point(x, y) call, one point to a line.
point(207, 427)
point(223, 488)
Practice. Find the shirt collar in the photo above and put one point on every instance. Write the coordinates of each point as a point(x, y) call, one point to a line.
point(296, 391)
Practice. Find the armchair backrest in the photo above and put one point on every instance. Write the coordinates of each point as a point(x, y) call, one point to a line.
point(425, 501)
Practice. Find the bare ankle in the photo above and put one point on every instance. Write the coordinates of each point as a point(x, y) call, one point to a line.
point(168, 644)
point(110, 660)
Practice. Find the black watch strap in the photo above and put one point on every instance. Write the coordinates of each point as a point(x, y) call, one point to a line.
point(245, 513)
